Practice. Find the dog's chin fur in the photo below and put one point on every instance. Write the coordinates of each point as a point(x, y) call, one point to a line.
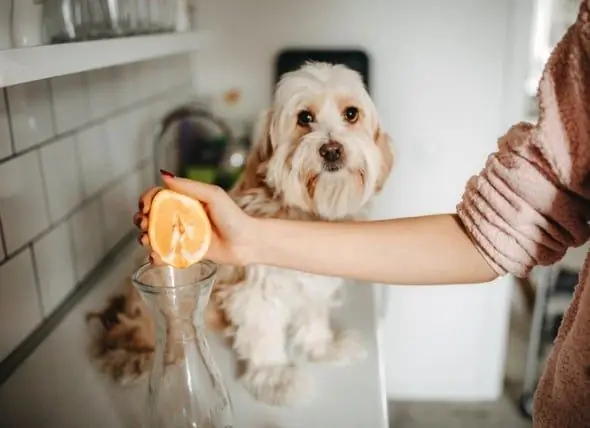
point(278, 317)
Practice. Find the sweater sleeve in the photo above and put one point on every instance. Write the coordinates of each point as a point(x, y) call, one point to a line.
point(532, 200)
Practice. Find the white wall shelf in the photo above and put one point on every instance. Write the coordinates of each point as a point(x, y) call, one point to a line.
point(36, 63)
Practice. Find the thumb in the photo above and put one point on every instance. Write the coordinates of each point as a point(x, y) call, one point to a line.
point(206, 193)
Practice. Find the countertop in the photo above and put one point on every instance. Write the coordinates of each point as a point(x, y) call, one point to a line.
point(57, 385)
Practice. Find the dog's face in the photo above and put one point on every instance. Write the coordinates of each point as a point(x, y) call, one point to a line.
point(320, 147)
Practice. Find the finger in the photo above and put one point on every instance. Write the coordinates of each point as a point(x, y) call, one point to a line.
point(144, 240)
point(145, 200)
point(206, 193)
point(140, 221)
point(155, 259)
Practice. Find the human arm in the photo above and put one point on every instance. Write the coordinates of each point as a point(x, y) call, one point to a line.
point(421, 250)
point(410, 251)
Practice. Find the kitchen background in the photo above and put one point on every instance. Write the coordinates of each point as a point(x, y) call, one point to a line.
point(448, 78)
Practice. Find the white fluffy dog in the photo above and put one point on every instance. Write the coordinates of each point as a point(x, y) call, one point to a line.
point(319, 154)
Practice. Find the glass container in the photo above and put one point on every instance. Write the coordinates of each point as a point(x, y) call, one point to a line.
point(185, 386)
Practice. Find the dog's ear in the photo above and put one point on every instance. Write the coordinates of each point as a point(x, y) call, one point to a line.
point(385, 145)
point(260, 153)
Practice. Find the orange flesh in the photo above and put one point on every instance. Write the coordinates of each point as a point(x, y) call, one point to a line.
point(179, 230)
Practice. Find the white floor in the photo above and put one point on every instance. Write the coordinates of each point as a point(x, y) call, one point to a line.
point(501, 414)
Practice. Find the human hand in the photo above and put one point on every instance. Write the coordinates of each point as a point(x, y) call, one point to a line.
point(233, 230)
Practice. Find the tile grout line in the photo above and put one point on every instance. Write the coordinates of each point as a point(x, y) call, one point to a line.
point(37, 279)
point(45, 188)
point(51, 107)
point(3, 239)
point(10, 127)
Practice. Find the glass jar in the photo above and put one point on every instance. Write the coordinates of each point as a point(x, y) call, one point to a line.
point(185, 386)
point(27, 23)
point(142, 10)
point(120, 14)
point(97, 21)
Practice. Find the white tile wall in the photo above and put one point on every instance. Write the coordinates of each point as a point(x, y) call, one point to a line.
point(62, 177)
point(24, 213)
point(55, 267)
point(103, 96)
point(86, 226)
point(75, 154)
point(30, 114)
point(115, 207)
point(120, 143)
point(19, 304)
point(94, 159)
point(70, 109)
point(5, 141)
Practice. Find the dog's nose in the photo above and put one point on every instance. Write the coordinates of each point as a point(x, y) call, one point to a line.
point(331, 152)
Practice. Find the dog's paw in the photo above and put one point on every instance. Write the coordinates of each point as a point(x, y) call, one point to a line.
point(345, 348)
point(281, 385)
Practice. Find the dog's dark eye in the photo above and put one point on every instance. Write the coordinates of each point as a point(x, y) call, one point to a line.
point(304, 118)
point(351, 114)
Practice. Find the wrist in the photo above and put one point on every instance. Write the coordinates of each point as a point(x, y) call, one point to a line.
point(253, 250)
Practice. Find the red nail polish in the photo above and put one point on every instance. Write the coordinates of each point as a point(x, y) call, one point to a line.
point(166, 173)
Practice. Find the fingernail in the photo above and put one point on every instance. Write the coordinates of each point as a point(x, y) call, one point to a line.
point(166, 173)
point(140, 205)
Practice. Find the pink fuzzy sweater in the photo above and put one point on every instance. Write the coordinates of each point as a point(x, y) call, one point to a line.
point(532, 201)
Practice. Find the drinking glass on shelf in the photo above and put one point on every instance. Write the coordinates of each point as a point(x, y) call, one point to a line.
point(142, 10)
point(97, 20)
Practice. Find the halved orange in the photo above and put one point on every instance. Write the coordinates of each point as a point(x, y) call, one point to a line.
point(179, 229)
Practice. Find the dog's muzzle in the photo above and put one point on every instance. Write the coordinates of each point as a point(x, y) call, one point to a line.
point(333, 155)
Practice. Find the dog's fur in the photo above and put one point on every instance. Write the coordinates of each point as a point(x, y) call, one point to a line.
point(278, 317)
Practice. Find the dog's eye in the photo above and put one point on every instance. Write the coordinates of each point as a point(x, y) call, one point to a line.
point(304, 118)
point(351, 114)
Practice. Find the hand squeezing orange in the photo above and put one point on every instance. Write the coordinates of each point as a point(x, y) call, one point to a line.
point(179, 230)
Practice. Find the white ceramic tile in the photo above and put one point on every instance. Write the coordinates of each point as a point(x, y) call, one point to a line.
point(133, 189)
point(30, 114)
point(145, 131)
point(94, 163)
point(124, 81)
point(130, 88)
point(23, 209)
point(19, 304)
point(102, 90)
point(181, 71)
point(148, 176)
point(146, 73)
point(5, 14)
point(5, 140)
point(88, 238)
point(62, 177)
point(122, 148)
point(70, 104)
point(55, 267)
point(117, 213)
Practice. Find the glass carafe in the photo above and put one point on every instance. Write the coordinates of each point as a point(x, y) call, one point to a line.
point(185, 386)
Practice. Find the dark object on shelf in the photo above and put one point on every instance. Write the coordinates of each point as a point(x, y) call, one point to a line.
point(195, 144)
point(292, 59)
